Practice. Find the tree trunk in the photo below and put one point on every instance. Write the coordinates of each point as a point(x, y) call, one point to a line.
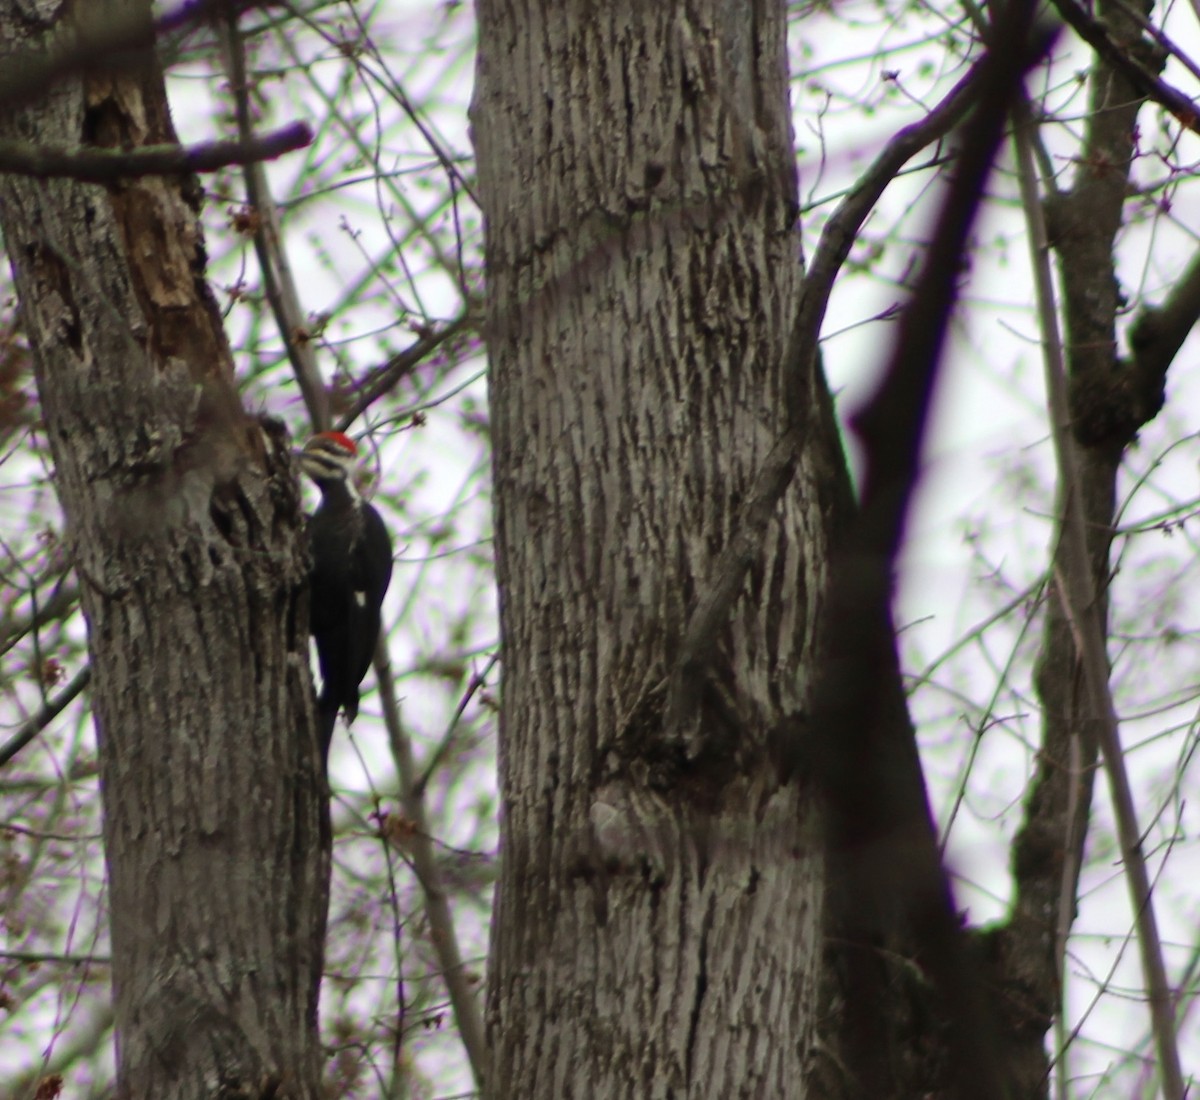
point(183, 516)
point(657, 921)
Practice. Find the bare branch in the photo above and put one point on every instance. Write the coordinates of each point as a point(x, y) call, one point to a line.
point(45, 716)
point(479, 680)
point(464, 996)
point(841, 230)
point(278, 282)
point(384, 378)
point(90, 164)
point(60, 605)
point(1076, 590)
point(716, 601)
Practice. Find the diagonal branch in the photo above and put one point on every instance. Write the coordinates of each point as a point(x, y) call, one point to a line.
point(1123, 57)
point(717, 598)
point(45, 716)
point(438, 755)
point(60, 604)
point(885, 866)
point(384, 378)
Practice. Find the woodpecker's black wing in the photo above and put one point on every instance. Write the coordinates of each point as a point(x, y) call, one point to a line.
point(372, 573)
point(330, 614)
point(351, 569)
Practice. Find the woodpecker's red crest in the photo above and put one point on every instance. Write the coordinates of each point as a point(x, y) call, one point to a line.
point(340, 438)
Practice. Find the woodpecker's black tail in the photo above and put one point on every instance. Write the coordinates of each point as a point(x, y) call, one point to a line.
point(327, 712)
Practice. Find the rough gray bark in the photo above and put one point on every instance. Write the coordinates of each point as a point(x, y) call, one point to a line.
point(656, 929)
point(183, 516)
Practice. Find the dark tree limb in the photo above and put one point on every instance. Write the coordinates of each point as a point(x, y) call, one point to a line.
point(1124, 57)
point(1158, 333)
point(45, 716)
point(885, 866)
point(92, 165)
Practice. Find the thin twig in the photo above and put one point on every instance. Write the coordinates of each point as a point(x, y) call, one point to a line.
point(397, 1028)
point(278, 284)
point(51, 957)
point(397, 92)
point(435, 760)
point(1080, 600)
point(464, 997)
point(45, 716)
point(383, 379)
point(60, 604)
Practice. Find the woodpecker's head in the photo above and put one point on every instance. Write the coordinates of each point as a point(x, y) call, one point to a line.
point(329, 458)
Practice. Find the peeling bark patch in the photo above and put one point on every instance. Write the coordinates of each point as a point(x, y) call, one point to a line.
point(161, 236)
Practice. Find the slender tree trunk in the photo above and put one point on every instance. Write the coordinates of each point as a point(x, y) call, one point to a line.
point(656, 930)
point(183, 517)
point(1111, 399)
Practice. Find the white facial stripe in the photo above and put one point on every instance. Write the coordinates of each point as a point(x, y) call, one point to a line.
point(326, 464)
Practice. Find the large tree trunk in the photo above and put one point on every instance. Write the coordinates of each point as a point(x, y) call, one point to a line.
point(656, 930)
point(183, 516)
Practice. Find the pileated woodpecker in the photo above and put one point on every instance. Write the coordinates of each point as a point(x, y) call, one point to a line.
point(351, 567)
